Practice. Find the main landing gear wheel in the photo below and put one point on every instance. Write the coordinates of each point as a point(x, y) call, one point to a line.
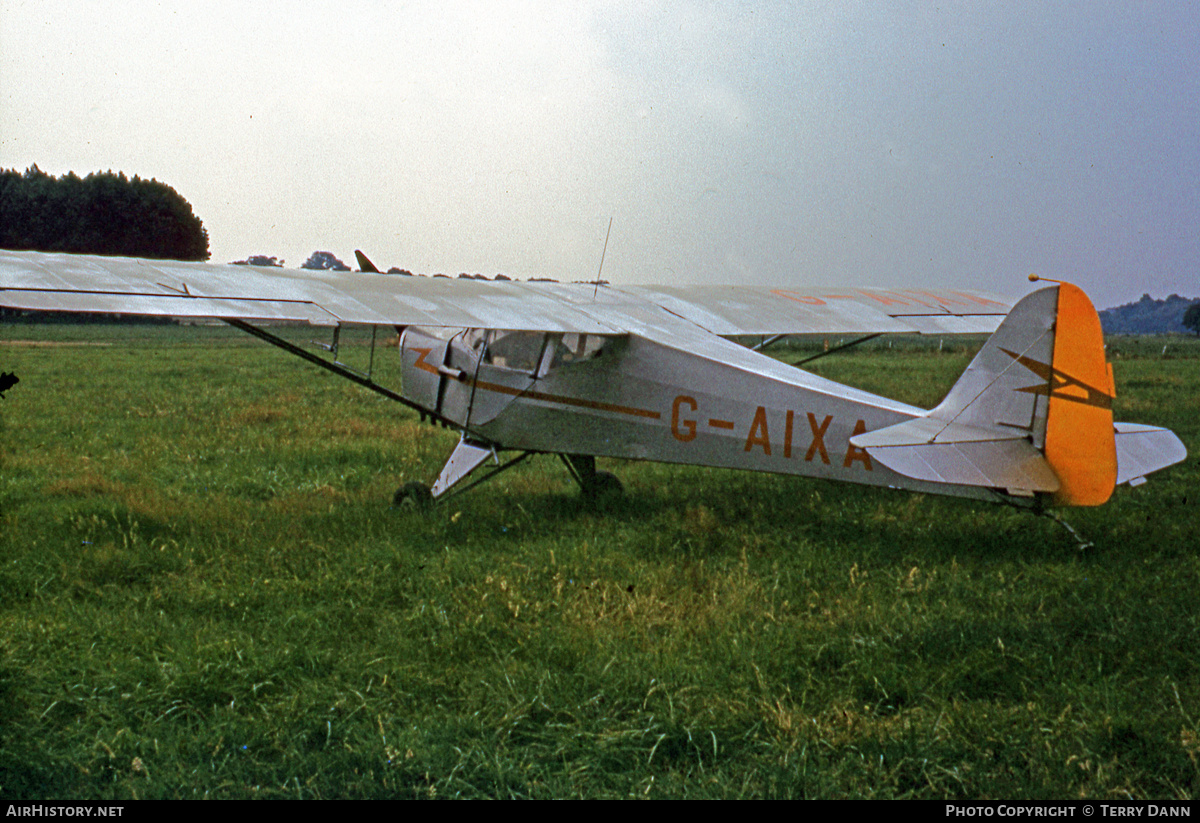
point(602, 487)
point(596, 487)
point(413, 497)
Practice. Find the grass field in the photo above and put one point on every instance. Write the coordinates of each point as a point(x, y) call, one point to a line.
point(204, 593)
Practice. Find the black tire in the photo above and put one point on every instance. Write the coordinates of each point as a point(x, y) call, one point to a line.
point(603, 487)
point(413, 496)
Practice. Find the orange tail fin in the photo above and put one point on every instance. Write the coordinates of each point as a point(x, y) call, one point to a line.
point(1080, 442)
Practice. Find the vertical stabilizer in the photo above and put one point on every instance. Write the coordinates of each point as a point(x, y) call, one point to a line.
point(999, 390)
point(1031, 415)
point(1044, 371)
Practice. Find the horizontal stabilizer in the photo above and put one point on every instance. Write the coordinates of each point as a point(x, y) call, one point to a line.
point(1145, 449)
point(922, 431)
point(932, 450)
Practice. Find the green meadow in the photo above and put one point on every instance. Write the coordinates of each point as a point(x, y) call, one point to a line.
point(204, 593)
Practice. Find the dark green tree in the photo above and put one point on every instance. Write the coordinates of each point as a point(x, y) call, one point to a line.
point(1191, 317)
point(260, 260)
point(103, 213)
point(324, 260)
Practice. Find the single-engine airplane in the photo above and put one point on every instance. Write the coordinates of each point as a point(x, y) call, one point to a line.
point(587, 370)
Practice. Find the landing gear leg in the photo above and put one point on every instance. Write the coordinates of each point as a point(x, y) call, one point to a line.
point(595, 486)
point(466, 458)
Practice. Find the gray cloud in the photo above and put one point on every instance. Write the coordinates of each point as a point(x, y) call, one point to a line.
point(959, 144)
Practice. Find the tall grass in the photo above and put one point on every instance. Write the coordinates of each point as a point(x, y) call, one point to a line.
point(204, 593)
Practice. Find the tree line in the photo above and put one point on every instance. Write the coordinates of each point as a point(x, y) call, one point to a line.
point(103, 213)
point(1174, 314)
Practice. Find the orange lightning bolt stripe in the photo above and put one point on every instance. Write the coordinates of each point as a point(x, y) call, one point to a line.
point(1061, 385)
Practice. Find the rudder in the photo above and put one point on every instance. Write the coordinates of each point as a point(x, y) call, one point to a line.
point(1080, 440)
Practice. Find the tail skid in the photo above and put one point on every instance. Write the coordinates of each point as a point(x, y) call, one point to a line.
point(1032, 415)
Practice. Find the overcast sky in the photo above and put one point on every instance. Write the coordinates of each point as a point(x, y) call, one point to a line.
point(874, 143)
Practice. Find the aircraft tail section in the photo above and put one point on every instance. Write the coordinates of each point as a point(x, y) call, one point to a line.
point(1032, 414)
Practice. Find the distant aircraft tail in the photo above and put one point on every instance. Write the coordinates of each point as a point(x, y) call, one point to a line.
point(1032, 414)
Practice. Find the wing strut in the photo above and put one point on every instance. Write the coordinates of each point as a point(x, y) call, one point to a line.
point(336, 368)
point(863, 339)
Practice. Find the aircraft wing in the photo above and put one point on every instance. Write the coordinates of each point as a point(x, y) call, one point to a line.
point(88, 283)
point(126, 285)
point(735, 310)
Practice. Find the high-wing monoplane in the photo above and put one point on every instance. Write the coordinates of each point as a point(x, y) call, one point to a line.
point(587, 370)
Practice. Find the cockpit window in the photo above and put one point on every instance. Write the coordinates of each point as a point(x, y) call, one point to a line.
point(535, 352)
point(519, 350)
point(575, 348)
point(473, 338)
